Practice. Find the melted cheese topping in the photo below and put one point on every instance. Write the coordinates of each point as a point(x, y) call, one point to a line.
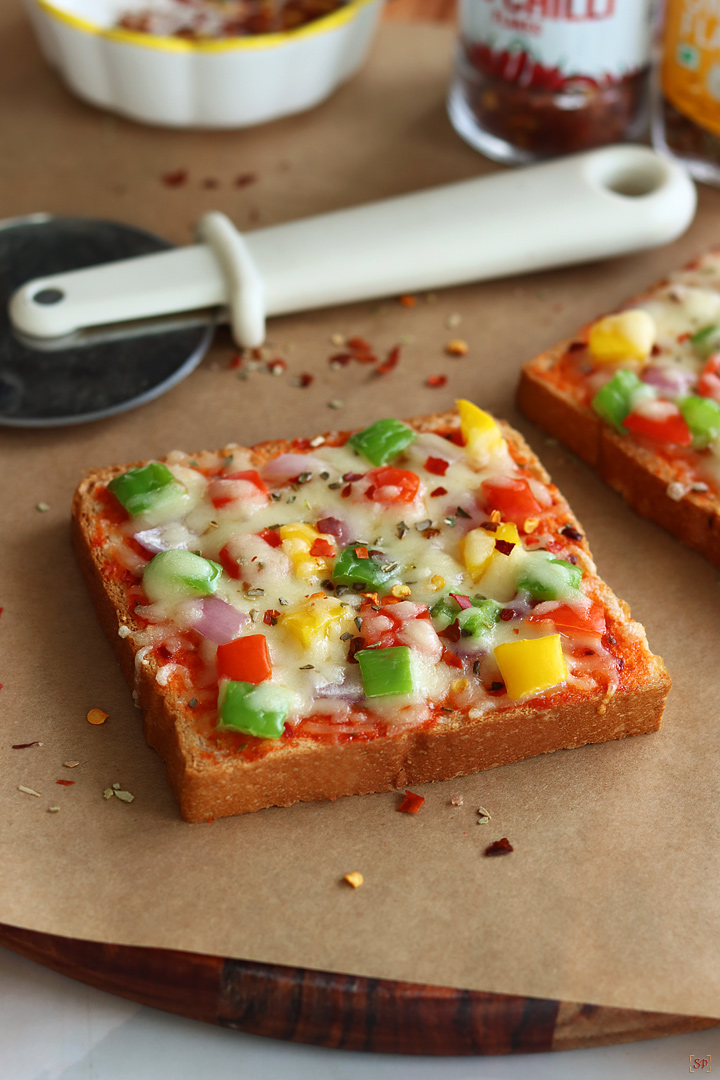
point(311, 623)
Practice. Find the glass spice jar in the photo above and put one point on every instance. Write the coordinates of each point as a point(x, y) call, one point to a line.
point(686, 116)
point(538, 78)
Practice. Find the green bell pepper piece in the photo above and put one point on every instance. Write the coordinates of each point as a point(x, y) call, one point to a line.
point(172, 575)
point(702, 416)
point(259, 710)
point(144, 489)
point(612, 402)
point(386, 671)
point(350, 570)
point(383, 441)
point(706, 341)
point(444, 612)
point(478, 619)
point(548, 578)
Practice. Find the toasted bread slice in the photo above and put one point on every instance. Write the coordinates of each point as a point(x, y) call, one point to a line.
point(461, 718)
point(674, 485)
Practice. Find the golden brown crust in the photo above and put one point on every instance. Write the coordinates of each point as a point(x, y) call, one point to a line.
point(639, 475)
point(208, 786)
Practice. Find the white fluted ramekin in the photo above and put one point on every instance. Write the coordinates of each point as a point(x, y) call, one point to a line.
point(227, 83)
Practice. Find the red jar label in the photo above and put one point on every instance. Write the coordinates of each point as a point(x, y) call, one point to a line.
point(553, 43)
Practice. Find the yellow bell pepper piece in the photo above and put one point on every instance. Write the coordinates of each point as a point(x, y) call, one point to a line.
point(480, 431)
point(313, 622)
point(531, 666)
point(627, 336)
point(297, 540)
point(478, 546)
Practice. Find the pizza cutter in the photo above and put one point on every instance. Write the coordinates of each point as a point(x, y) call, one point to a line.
point(86, 340)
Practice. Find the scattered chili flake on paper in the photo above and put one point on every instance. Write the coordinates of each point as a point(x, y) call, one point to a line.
point(97, 716)
point(354, 878)
point(304, 380)
point(25, 745)
point(175, 179)
point(65, 783)
point(411, 803)
point(436, 381)
point(29, 791)
point(245, 179)
point(499, 847)
point(407, 300)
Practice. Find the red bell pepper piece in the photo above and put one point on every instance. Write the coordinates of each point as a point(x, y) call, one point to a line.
point(219, 500)
point(513, 498)
point(437, 466)
point(228, 564)
point(709, 381)
point(390, 485)
point(271, 537)
point(565, 617)
point(672, 429)
point(245, 659)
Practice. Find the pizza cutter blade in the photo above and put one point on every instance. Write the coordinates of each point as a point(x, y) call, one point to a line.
point(106, 373)
point(588, 206)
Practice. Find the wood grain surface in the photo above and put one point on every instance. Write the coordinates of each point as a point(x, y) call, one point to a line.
point(341, 1011)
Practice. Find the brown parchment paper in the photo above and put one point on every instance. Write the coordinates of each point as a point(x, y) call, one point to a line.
point(612, 894)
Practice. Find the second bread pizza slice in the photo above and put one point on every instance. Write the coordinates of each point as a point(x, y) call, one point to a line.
point(354, 613)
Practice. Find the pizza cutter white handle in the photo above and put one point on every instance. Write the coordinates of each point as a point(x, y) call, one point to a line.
point(589, 206)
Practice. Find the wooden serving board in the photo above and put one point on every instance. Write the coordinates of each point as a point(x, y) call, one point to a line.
point(345, 1012)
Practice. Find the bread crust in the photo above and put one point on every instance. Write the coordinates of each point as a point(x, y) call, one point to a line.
point(209, 786)
point(640, 475)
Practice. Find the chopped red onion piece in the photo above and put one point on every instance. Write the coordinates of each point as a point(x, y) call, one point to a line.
point(333, 527)
point(220, 622)
point(673, 381)
point(286, 466)
point(151, 540)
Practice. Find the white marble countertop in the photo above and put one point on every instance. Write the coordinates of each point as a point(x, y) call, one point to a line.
point(52, 1028)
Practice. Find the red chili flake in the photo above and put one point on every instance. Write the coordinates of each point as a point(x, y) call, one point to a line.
point(656, 350)
point(370, 492)
point(390, 362)
point(228, 564)
point(271, 617)
point(504, 546)
point(507, 614)
point(322, 549)
point(65, 783)
point(436, 381)
point(499, 847)
point(437, 466)
point(450, 633)
point(304, 380)
point(175, 179)
point(463, 602)
point(411, 803)
point(361, 553)
point(430, 534)
point(271, 537)
point(683, 337)
point(340, 360)
point(358, 344)
point(236, 361)
point(25, 745)
point(345, 493)
point(351, 477)
point(450, 658)
point(407, 300)
point(244, 179)
point(571, 532)
point(276, 367)
point(438, 491)
point(210, 183)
